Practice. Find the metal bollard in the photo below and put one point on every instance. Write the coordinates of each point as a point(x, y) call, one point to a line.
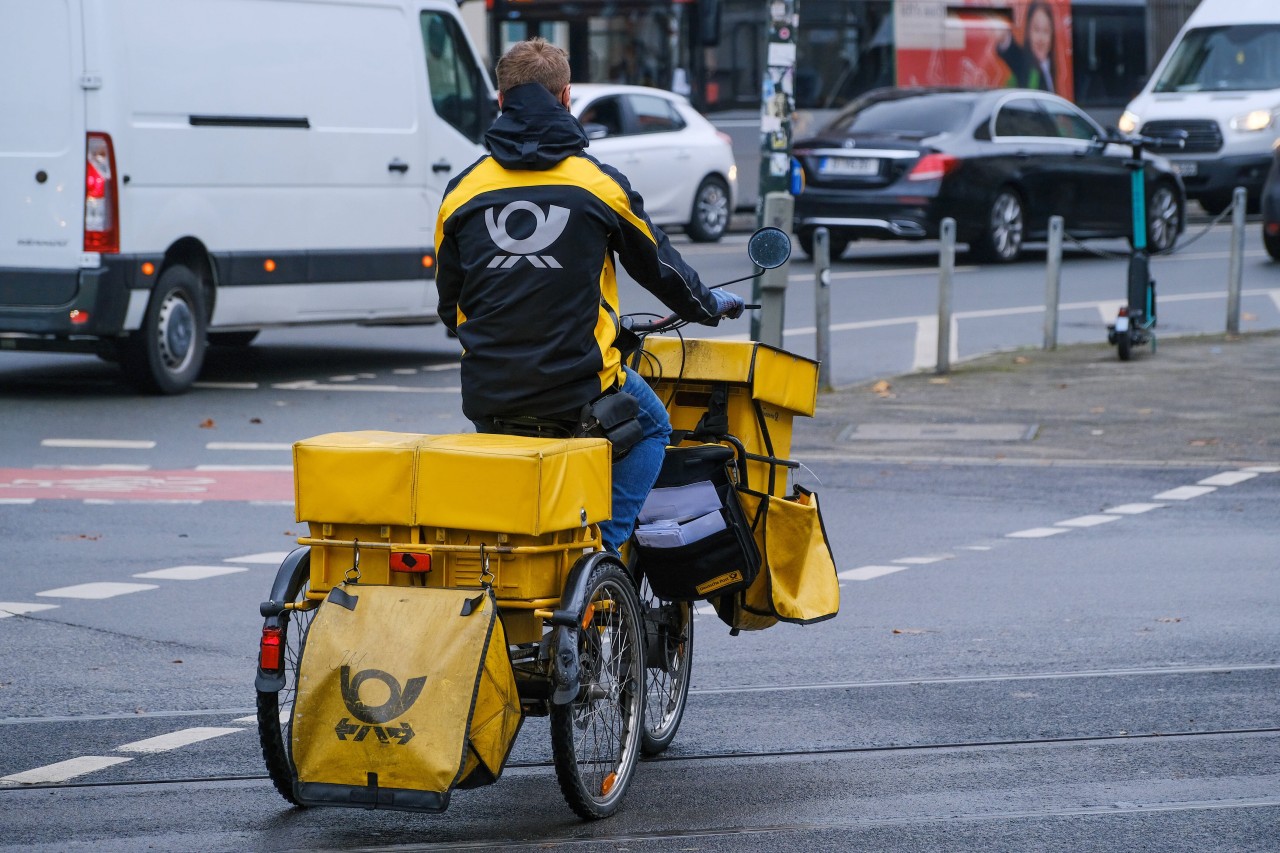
point(1053, 283)
point(822, 305)
point(1235, 269)
point(946, 272)
point(779, 208)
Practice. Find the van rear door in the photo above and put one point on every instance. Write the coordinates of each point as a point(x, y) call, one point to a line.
point(42, 145)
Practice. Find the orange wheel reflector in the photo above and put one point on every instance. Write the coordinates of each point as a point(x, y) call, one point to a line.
point(269, 265)
point(588, 614)
point(428, 261)
point(607, 785)
point(148, 268)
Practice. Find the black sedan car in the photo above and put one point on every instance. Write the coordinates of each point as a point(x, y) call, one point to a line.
point(1271, 206)
point(896, 162)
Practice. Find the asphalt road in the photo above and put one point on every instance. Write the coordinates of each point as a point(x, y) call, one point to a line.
point(1056, 631)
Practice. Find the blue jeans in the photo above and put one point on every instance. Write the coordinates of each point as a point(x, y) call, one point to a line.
point(635, 473)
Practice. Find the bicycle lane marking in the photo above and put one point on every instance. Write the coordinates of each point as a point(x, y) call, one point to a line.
point(23, 484)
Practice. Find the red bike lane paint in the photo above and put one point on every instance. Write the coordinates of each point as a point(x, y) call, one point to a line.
point(185, 485)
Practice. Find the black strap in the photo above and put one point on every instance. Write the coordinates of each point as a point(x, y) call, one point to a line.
point(714, 422)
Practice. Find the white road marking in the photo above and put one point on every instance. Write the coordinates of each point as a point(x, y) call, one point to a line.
point(927, 343)
point(1036, 533)
point(924, 561)
point(1132, 509)
point(102, 443)
point(271, 558)
point(1228, 478)
point(64, 770)
point(173, 740)
point(703, 608)
point(250, 719)
point(1184, 493)
point(227, 386)
point(244, 467)
point(456, 365)
point(102, 589)
point(101, 467)
point(15, 501)
point(405, 371)
point(270, 503)
point(190, 573)
point(1265, 469)
point(248, 445)
point(312, 385)
point(110, 502)
point(1087, 521)
point(866, 573)
point(1109, 310)
point(17, 608)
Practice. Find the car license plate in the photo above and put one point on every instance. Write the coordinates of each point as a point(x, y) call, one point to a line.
point(1185, 168)
point(856, 167)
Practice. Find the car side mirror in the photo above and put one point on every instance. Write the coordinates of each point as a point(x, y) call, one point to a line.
point(595, 131)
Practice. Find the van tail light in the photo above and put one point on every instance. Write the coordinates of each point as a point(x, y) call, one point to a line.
point(101, 196)
point(269, 658)
point(933, 167)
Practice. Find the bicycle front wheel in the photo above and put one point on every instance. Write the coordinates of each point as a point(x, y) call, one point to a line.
point(275, 709)
point(595, 738)
point(669, 663)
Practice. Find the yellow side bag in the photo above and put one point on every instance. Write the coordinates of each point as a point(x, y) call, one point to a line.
point(404, 694)
point(797, 582)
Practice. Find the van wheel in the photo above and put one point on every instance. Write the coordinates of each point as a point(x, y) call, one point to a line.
point(710, 212)
point(166, 354)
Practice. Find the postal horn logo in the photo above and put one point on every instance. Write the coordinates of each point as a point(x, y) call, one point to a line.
point(375, 717)
point(547, 228)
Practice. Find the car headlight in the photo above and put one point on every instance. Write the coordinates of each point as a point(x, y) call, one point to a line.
point(1128, 122)
point(1252, 122)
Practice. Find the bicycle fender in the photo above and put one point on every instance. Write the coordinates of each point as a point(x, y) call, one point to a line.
point(274, 606)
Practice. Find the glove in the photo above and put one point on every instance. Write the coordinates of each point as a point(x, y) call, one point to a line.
point(728, 304)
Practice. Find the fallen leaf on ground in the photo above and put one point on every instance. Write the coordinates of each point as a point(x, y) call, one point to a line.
point(910, 631)
point(1097, 410)
point(939, 380)
point(1169, 619)
point(255, 420)
point(1203, 442)
point(1021, 359)
point(207, 423)
point(882, 388)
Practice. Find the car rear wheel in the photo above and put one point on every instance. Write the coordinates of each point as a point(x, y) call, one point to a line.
point(1163, 219)
point(1272, 242)
point(1001, 237)
point(710, 211)
point(836, 244)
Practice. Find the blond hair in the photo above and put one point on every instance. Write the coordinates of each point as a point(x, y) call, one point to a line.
point(534, 61)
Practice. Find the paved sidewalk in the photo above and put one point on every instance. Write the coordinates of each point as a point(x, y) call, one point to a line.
point(1209, 400)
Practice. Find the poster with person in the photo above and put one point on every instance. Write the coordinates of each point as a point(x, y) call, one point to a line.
point(985, 43)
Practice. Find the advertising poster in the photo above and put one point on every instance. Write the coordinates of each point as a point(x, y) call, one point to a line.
point(985, 43)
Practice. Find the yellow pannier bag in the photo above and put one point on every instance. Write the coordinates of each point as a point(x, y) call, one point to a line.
point(797, 582)
point(404, 694)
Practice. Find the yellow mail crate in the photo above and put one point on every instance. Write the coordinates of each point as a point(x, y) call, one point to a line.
point(504, 483)
point(784, 385)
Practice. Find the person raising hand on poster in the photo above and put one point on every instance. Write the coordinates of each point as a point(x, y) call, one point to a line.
point(1031, 63)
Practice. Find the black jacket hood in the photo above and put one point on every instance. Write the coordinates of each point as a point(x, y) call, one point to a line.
point(534, 131)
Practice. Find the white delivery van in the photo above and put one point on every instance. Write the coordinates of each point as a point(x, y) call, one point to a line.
point(1220, 82)
point(177, 171)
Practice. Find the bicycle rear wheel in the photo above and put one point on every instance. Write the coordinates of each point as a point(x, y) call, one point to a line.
point(275, 708)
point(595, 738)
point(669, 664)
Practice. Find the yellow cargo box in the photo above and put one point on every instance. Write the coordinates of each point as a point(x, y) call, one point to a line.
point(509, 484)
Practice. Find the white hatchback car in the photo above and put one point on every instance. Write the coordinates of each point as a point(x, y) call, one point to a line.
point(679, 163)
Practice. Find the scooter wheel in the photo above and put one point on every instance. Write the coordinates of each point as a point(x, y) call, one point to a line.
point(1124, 346)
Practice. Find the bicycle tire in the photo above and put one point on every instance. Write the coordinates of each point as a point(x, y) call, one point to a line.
point(1124, 345)
point(275, 709)
point(669, 666)
point(595, 738)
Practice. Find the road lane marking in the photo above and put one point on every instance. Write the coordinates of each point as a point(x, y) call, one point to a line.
point(101, 589)
point(1263, 469)
point(173, 740)
point(191, 573)
point(161, 501)
point(18, 608)
point(1132, 509)
point(1087, 521)
point(17, 501)
point(64, 770)
point(100, 443)
point(248, 445)
point(244, 468)
point(226, 386)
point(866, 573)
point(1228, 478)
point(271, 558)
point(107, 467)
point(1036, 533)
point(312, 385)
point(1184, 493)
point(924, 561)
point(250, 719)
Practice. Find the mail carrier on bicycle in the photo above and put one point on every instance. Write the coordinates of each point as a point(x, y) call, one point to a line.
point(525, 266)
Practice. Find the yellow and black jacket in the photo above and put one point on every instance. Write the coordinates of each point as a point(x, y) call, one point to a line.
point(525, 246)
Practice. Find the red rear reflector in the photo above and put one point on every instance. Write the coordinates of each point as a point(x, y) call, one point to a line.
point(269, 650)
point(932, 167)
point(78, 317)
point(1124, 311)
point(1273, 227)
point(404, 562)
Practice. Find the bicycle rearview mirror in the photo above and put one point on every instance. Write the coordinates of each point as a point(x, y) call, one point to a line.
point(769, 248)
